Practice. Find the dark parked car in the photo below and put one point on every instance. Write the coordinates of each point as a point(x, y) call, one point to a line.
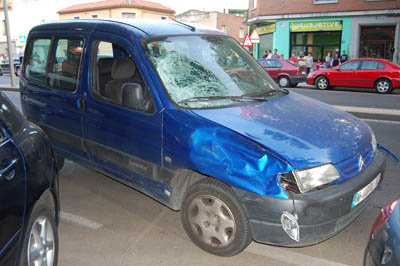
point(284, 72)
point(28, 192)
point(384, 245)
point(363, 72)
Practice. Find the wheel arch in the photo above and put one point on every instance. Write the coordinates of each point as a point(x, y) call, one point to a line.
point(317, 77)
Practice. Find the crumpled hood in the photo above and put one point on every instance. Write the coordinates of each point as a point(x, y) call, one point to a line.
point(305, 132)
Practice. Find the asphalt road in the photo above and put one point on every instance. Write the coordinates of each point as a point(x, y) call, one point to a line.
point(106, 223)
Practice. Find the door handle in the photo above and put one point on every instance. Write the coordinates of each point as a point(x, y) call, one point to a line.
point(9, 172)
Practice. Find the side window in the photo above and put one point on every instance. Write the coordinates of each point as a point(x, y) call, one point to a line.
point(116, 79)
point(381, 65)
point(36, 60)
point(65, 61)
point(273, 64)
point(368, 65)
point(352, 65)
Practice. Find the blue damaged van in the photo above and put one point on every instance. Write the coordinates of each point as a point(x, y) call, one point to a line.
point(188, 117)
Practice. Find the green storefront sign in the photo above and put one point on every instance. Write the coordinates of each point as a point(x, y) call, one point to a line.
point(316, 26)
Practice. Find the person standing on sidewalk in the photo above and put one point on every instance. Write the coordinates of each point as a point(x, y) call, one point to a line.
point(344, 57)
point(309, 62)
point(275, 55)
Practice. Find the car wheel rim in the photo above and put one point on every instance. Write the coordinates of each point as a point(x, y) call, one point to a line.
point(322, 83)
point(212, 221)
point(383, 86)
point(41, 243)
point(283, 82)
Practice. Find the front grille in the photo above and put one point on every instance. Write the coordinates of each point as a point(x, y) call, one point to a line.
point(350, 167)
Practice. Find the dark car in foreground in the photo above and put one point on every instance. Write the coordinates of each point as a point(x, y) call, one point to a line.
point(284, 72)
point(28, 192)
point(384, 245)
point(380, 74)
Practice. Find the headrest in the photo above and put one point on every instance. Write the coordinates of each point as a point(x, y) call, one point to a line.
point(122, 68)
point(104, 65)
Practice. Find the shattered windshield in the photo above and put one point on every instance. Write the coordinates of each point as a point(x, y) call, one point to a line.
point(208, 71)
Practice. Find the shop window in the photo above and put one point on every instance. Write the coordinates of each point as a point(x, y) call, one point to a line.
point(377, 42)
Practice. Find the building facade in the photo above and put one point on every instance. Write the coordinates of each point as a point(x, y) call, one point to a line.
point(363, 28)
point(228, 23)
point(117, 9)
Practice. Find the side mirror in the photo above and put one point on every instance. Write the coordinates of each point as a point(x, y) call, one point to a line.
point(133, 97)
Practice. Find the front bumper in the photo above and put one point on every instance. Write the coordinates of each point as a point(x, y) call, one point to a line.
point(310, 81)
point(321, 214)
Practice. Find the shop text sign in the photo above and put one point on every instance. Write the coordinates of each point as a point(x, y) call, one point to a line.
point(266, 29)
point(316, 26)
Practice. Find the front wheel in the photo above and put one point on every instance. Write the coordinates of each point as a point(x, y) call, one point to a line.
point(284, 82)
point(40, 246)
point(322, 83)
point(383, 86)
point(214, 218)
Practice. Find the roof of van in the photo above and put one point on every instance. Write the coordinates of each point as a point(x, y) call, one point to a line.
point(148, 27)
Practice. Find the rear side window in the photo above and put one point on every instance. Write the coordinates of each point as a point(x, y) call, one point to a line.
point(372, 65)
point(36, 60)
point(64, 68)
point(273, 64)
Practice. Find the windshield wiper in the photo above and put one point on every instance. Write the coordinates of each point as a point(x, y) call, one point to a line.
point(241, 98)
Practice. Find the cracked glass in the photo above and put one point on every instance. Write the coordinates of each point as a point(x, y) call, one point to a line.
point(208, 71)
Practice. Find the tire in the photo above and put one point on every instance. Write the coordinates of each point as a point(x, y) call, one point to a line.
point(209, 205)
point(294, 84)
point(383, 86)
point(35, 241)
point(59, 162)
point(322, 83)
point(283, 81)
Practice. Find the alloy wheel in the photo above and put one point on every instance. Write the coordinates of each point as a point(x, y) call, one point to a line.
point(41, 245)
point(382, 86)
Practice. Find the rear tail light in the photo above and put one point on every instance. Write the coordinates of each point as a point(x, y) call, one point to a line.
point(384, 215)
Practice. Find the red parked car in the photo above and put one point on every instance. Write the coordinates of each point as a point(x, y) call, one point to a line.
point(362, 72)
point(284, 72)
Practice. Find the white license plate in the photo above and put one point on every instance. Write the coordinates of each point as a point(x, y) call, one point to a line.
point(365, 191)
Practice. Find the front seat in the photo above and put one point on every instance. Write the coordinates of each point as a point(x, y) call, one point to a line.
point(122, 72)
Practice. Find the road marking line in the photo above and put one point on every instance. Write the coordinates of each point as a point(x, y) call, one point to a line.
point(76, 219)
point(381, 121)
point(368, 110)
point(287, 256)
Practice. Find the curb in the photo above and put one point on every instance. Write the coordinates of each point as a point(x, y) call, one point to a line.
point(9, 88)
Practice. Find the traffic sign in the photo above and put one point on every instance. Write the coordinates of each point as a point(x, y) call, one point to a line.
point(247, 42)
point(254, 37)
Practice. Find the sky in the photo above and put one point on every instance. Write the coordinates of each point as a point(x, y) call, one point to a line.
point(38, 11)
